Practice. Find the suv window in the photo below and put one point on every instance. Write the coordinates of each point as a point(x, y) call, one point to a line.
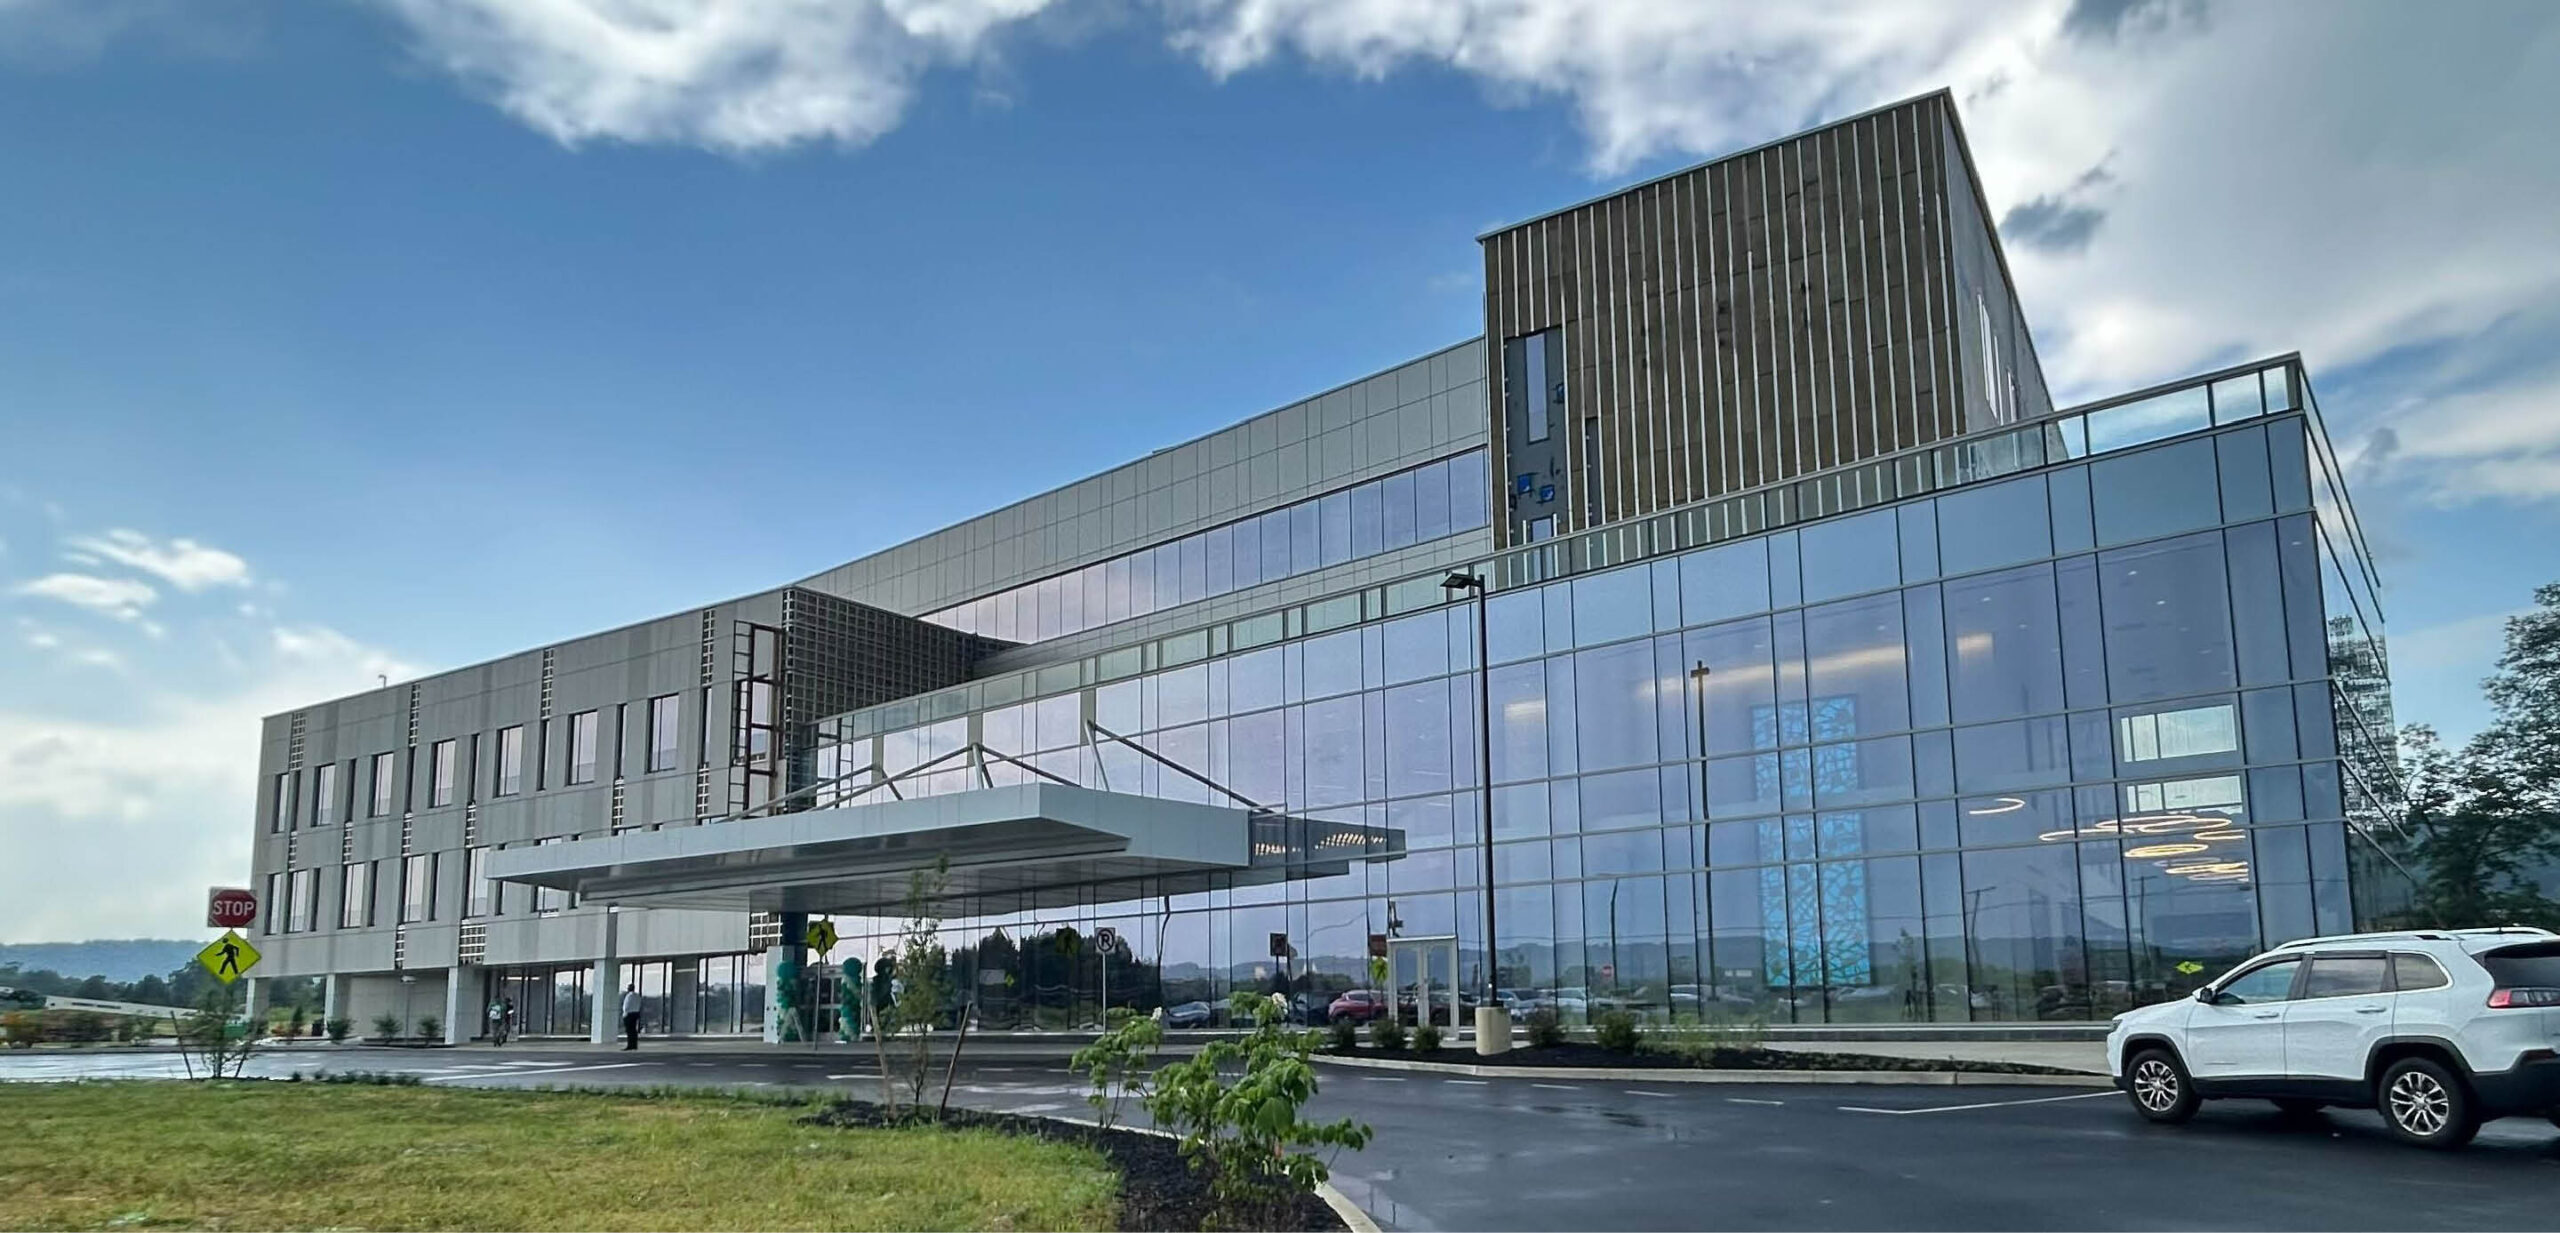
point(2339, 976)
point(2272, 983)
point(2525, 967)
point(2416, 972)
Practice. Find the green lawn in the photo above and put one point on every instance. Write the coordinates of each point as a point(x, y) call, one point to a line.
point(331, 1156)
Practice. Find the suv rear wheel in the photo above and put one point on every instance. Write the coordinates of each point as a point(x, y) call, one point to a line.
point(2160, 1088)
point(2424, 1103)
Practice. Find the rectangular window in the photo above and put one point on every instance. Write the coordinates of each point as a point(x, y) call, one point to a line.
point(662, 733)
point(510, 761)
point(418, 888)
point(382, 773)
point(483, 899)
point(546, 899)
point(440, 781)
point(324, 794)
point(355, 896)
point(303, 901)
point(280, 809)
point(2187, 733)
point(275, 905)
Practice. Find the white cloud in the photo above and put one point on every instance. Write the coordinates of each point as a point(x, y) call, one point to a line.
point(122, 598)
point(182, 563)
point(736, 75)
point(156, 805)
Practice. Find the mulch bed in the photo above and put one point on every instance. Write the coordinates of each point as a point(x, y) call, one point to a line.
point(1583, 1054)
point(1158, 1188)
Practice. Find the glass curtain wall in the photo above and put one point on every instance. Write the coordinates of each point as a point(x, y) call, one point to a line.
point(2039, 749)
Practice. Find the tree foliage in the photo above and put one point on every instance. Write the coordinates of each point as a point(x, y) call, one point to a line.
point(2485, 821)
point(1245, 1130)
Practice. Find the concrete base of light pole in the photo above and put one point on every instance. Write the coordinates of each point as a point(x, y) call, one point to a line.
point(1493, 1031)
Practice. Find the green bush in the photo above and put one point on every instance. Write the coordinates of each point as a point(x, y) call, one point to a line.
point(339, 1030)
point(1386, 1034)
point(1116, 1061)
point(1247, 1135)
point(23, 1029)
point(82, 1026)
point(387, 1027)
point(1546, 1031)
point(1426, 1038)
point(430, 1028)
point(1617, 1032)
point(1345, 1035)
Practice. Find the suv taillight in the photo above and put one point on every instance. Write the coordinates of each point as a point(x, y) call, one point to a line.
point(2506, 999)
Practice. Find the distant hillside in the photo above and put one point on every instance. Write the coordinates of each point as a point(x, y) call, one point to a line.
point(116, 959)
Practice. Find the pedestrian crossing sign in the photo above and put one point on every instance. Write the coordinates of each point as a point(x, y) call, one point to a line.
point(228, 957)
point(820, 936)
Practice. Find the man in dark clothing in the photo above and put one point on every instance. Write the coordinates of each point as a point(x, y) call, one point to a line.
point(631, 1018)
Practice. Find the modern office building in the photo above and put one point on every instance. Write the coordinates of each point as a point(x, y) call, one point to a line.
point(1828, 673)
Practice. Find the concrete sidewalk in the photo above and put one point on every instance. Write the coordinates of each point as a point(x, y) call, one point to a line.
point(2088, 1056)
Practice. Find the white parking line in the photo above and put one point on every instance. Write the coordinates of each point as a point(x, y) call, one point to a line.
point(1382, 1078)
point(703, 1065)
point(1557, 1087)
point(518, 1074)
point(1745, 1100)
point(1473, 1082)
point(1640, 1092)
point(999, 1070)
point(848, 1076)
point(1988, 1104)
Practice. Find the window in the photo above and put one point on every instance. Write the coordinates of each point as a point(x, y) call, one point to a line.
point(382, 773)
point(2340, 976)
point(440, 780)
point(582, 747)
point(418, 888)
point(2411, 972)
point(546, 899)
point(2190, 732)
point(324, 794)
point(662, 733)
point(2167, 613)
point(280, 809)
point(355, 896)
point(2004, 645)
point(302, 901)
point(483, 899)
point(2272, 983)
point(275, 905)
point(510, 761)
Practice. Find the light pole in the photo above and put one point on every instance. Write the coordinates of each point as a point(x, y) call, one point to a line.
point(1493, 1020)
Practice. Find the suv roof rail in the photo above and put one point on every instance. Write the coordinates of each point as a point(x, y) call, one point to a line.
point(2428, 935)
point(2423, 935)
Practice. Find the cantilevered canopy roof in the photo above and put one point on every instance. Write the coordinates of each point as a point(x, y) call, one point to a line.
point(1021, 839)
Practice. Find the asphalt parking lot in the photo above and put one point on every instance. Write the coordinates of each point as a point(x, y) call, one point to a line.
point(1504, 1153)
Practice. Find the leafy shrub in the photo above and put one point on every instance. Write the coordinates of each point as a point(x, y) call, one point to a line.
point(1546, 1031)
point(387, 1026)
point(1345, 1035)
point(81, 1025)
point(430, 1028)
point(1247, 1135)
point(1386, 1034)
point(1617, 1032)
point(1426, 1038)
point(366, 1078)
point(23, 1029)
point(1115, 1060)
point(339, 1030)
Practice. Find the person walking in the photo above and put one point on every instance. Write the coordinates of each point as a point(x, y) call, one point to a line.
point(631, 1018)
point(497, 1021)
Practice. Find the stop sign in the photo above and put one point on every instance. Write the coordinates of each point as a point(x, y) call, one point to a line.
point(231, 907)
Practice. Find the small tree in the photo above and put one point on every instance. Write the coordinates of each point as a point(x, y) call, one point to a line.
point(923, 974)
point(215, 1038)
point(387, 1027)
point(1246, 1134)
point(1117, 1059)
point(339, 1030)
point(430, 1028)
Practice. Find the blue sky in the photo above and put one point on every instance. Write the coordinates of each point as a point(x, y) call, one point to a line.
point(381, 336)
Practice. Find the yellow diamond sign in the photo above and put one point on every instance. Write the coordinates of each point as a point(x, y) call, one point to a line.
point(228, 957)
point(820, 936)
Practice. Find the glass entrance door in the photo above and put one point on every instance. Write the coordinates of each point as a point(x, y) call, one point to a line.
point(1422, 980)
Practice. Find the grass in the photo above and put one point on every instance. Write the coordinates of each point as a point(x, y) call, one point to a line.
point(263, 1155)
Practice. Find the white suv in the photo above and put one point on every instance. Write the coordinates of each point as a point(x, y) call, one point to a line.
point(2436, 1029)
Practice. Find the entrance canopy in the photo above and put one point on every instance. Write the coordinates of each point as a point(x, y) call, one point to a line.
point(1021, 839)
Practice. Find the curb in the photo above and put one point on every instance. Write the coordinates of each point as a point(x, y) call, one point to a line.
point(1632, 1074)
